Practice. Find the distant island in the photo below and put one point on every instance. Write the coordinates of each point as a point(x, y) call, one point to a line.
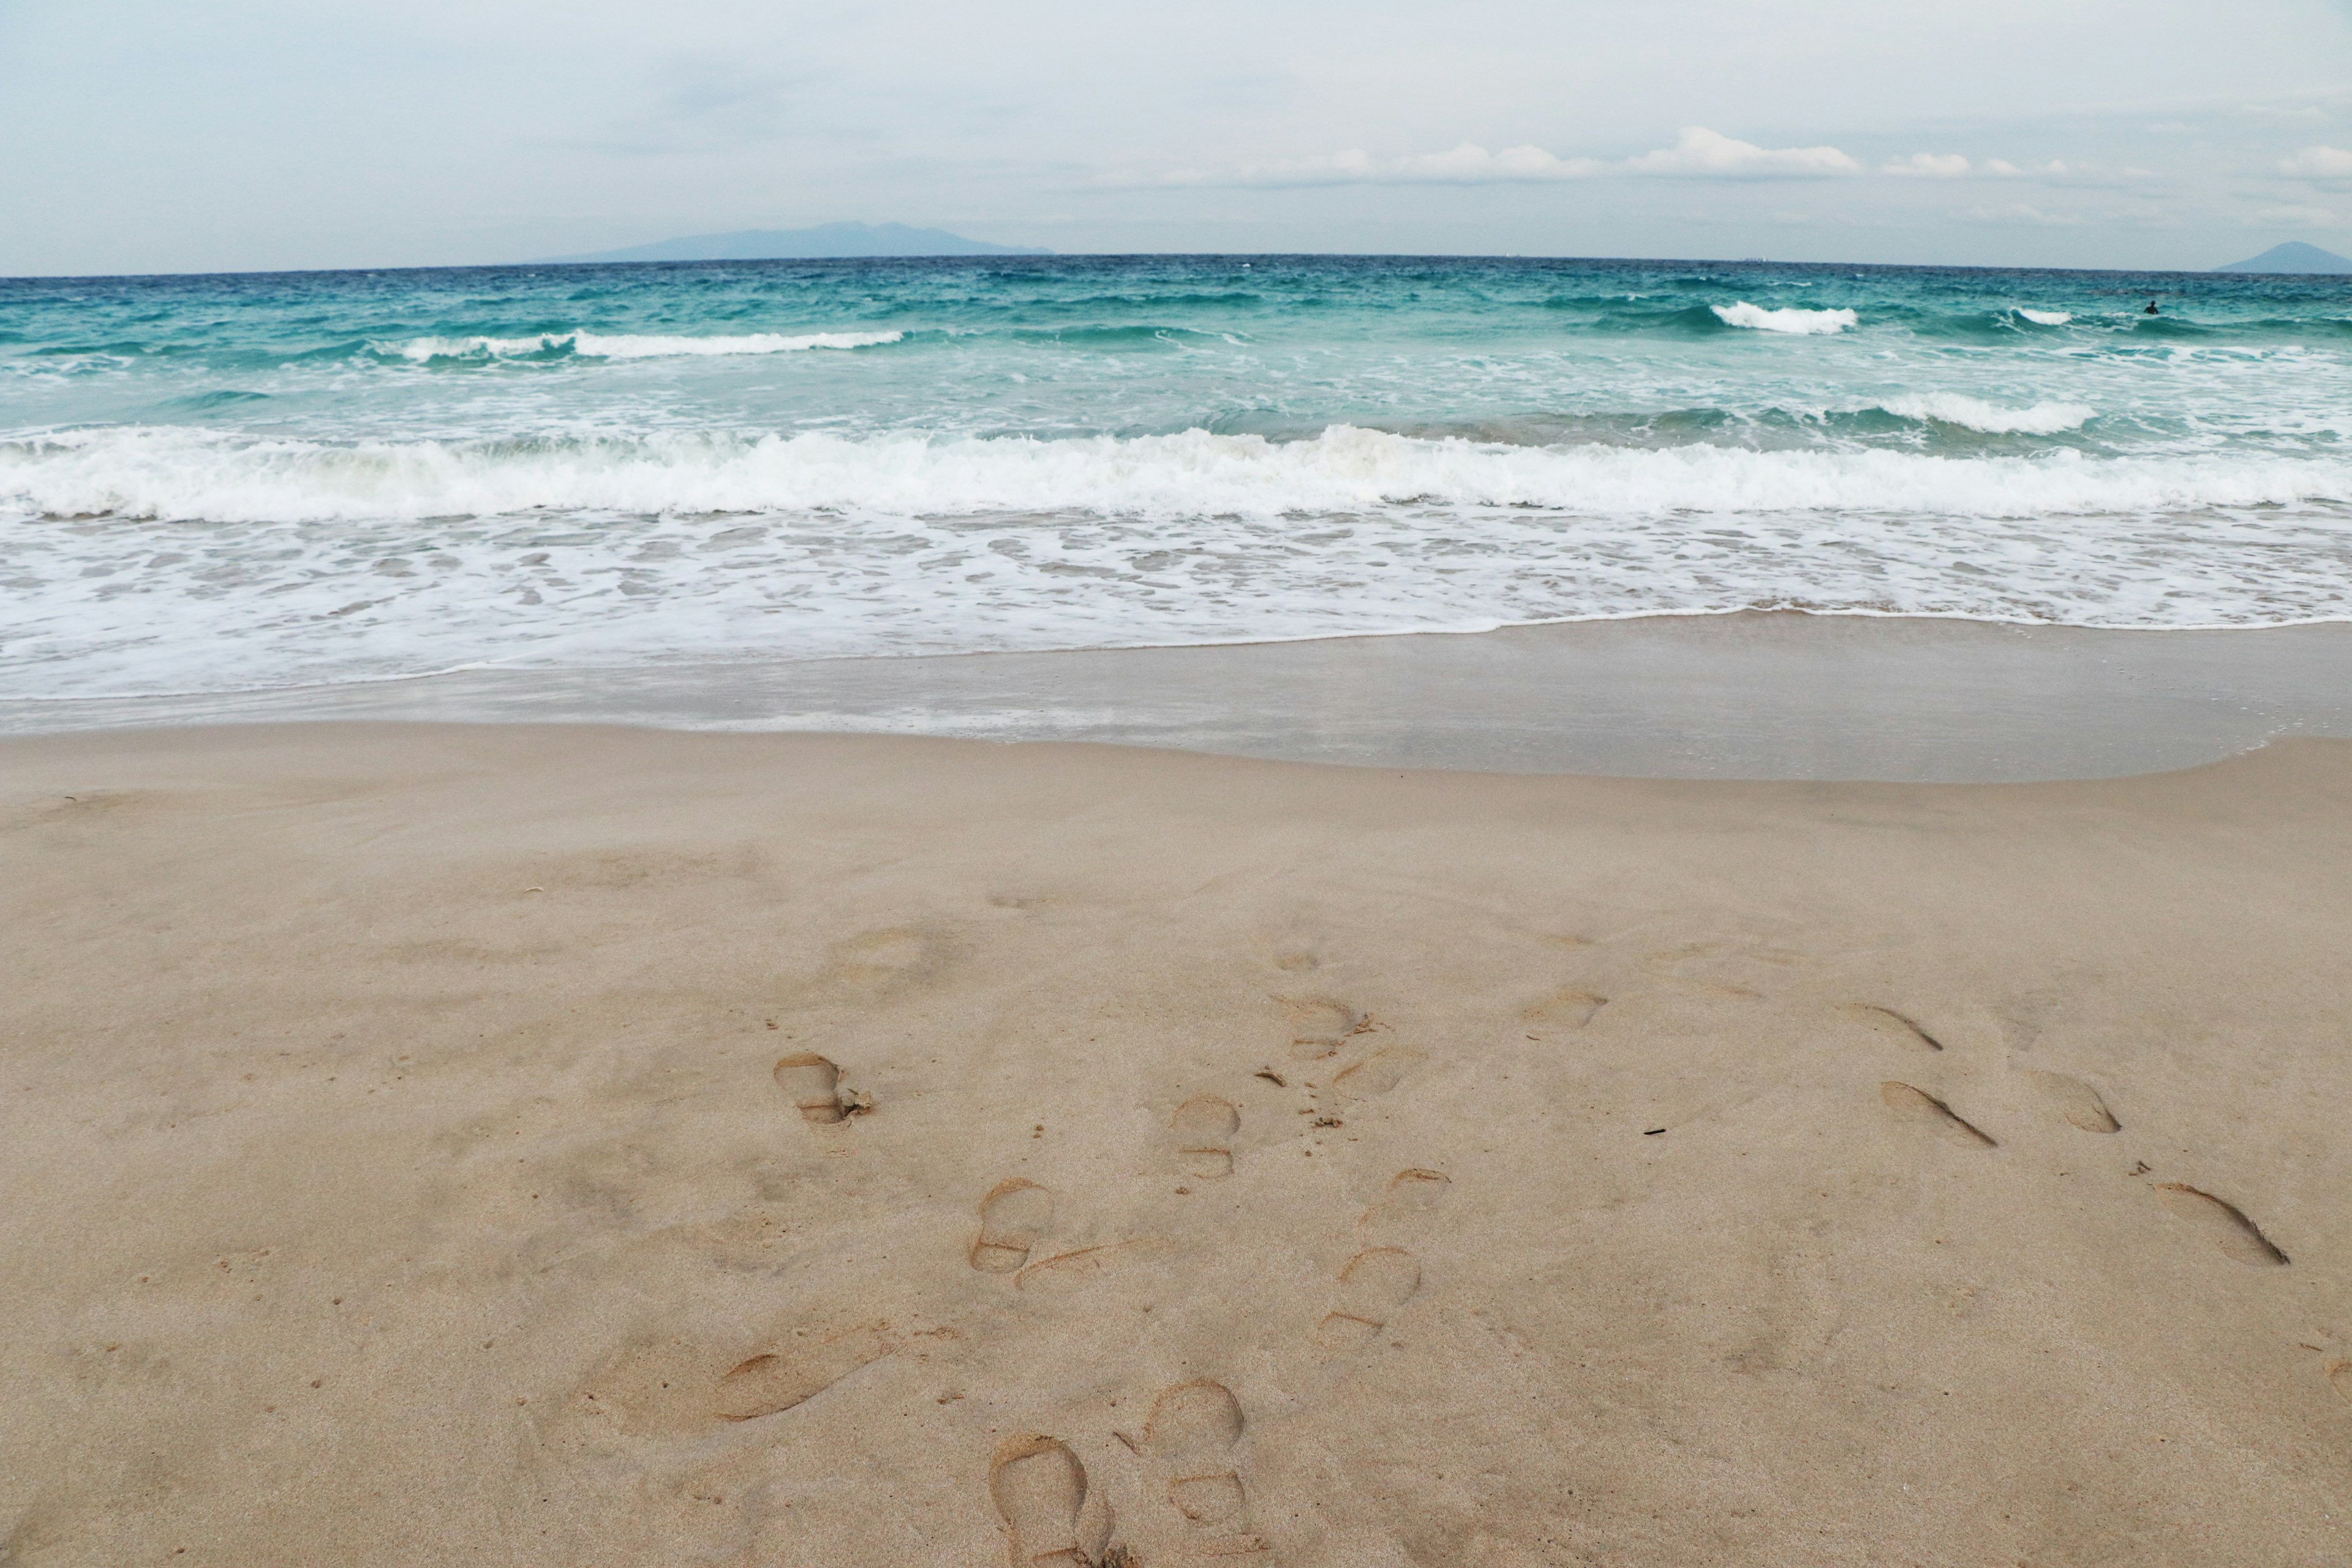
point(2293, 256)
point(825, 241)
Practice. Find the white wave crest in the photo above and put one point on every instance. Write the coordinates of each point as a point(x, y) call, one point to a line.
point(1789, 320)
point(1974, 413)
point(623, 345)
point(2046, 317)
point(174, 473)
point(626, 347)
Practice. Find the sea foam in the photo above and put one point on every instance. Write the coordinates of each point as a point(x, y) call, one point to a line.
point(1787, 320)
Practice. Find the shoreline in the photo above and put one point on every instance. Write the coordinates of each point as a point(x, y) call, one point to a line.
point(1757, 695)
point(838, 1151)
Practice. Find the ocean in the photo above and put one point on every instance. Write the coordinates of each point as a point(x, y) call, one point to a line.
point(242, 483)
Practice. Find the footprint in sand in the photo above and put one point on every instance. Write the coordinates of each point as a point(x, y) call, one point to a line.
point(768, 1384)
point(814, 1084)
point(674, 1386)
point(1744, 967)
point(1320, 1026)
point(2075, 1100)
point(1565, 1009)
point(1072, 1270)
point(1924, 1110)
point(1411, 1197)
point(2339, 1377)
point(1205, 1126)
point(1889, 1025)
point(881, 960)
point(2222, 1223)
point(1376, 1074)
point(1373, 1284)
point(1012, 1218)
point(1040, 1491)
point(1189, 1443)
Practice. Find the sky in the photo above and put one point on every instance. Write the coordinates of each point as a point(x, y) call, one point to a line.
point(140, 136)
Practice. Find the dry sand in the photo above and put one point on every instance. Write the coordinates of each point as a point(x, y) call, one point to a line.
point(1226, 1162)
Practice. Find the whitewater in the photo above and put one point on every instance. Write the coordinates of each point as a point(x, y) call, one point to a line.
point(218, 484)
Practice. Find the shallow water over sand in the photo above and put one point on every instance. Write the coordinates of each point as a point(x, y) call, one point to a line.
point(1747, 696)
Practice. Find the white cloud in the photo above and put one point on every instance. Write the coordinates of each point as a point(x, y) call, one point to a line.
point(2054, 169)
point(1472, 163)
point(2058, 172)
point(1709, 153)
point(1698, 152)
point(2304, 113)
point(2018, 214)
point(2318, 164)
point(1467, 165)
point(1930, 166)
point(2296, 217)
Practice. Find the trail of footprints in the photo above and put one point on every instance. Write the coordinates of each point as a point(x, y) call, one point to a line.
point(2080, 1105)
point(1190, 1449)
point(1378, 1280)
point(1192, 1441)
point(1191, 1444)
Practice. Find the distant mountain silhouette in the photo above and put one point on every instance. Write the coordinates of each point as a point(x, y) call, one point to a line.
point(2293, 256)
point(825, 240)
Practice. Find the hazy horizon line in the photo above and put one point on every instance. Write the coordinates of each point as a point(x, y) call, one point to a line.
point(1248, 256)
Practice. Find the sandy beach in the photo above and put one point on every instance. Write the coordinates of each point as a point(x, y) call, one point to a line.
point(565, 1145)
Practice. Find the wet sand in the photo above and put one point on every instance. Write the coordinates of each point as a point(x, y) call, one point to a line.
point(1749, 696)
point(571, 1145)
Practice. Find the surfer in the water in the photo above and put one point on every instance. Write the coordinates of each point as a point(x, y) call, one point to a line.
point(2151, 309)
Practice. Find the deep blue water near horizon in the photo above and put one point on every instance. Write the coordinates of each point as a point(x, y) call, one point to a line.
point(238, 482)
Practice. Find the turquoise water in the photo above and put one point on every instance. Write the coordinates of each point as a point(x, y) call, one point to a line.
point(228, 482)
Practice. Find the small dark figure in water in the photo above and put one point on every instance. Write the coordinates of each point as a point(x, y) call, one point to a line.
point(2151, 309)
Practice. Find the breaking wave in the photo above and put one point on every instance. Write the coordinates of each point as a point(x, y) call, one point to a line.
point(1975, 414)
point(1787, 319)
point(177, 473)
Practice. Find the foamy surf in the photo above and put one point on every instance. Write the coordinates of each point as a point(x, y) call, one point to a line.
point(169, 474)
point(1790, 319)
